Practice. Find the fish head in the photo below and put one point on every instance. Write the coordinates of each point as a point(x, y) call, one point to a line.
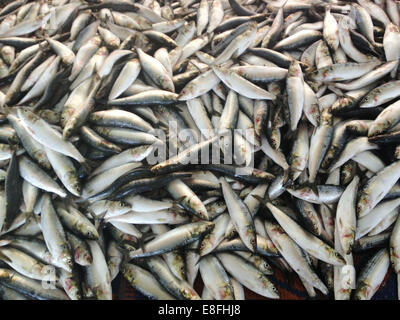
point(25, 114)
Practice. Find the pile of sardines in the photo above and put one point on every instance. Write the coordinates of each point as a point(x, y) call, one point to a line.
point(227, 141)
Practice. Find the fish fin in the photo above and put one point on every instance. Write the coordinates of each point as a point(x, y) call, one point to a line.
point(125, 254)
point(324, 235)
point(148, 234)
point(261, 200)
point(177, 204)
point(196, 67)
point(290, 182)
point(286, 177)
point(358, 171)
point(70, 203)
point(163, 125)
point(178, 210)
point(29, 215)
point(315, 14)
point(88, 165)
point(145, 236)
point(196, 250)
point(215, 113)
point(284, 4)
point(5, 242)
point(45, 45)
point(312, 186)
point(178, 201)
point(315, 189)
point(327, 207)
point(93, 214)
point(141, 241)
point(101, 102)
point(210, 35)
point(335, 90)
point(99, 222)
point(99, 217)
point(177, 108)
point(14, 148)
point(308, 70)
point(198, 261)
